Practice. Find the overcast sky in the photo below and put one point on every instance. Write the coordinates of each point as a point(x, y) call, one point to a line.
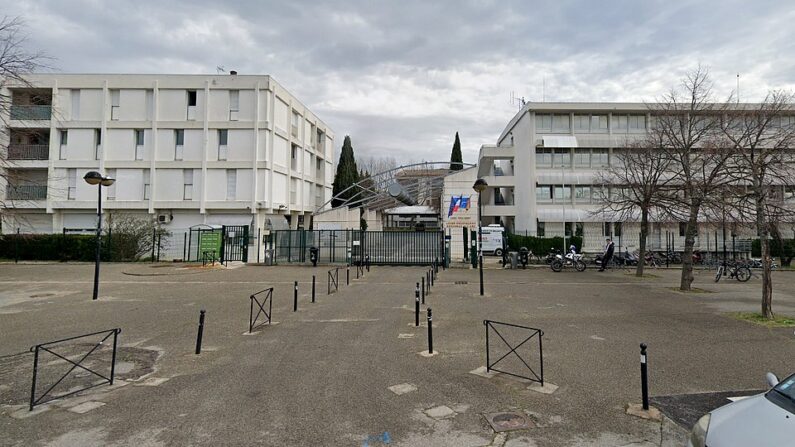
point(401, 77)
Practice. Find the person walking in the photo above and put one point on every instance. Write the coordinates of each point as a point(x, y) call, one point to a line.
point(608, 254)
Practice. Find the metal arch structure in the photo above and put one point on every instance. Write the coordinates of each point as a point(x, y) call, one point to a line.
point(411, 184)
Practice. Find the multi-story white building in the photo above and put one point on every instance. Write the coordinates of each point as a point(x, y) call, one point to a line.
point(184, 149)
point(541, 175)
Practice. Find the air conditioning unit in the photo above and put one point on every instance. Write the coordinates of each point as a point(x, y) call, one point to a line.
point(164, 218)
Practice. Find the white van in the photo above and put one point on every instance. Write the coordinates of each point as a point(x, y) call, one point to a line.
point(492, 239)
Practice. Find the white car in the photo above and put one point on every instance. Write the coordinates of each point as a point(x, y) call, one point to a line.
point(767, 419)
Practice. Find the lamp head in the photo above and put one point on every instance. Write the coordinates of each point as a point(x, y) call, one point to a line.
point(92, 177)
point(480, 185)
point(107, 181)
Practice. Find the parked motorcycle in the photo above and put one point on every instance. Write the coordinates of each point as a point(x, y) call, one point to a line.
point(570, 260)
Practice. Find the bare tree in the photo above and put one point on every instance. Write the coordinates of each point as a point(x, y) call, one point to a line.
point(762, 137)
point(641, 175)
point(686, 123)
point(374, 165)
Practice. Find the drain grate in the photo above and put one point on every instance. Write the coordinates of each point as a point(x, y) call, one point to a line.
point(508, 421)
point(461, 282)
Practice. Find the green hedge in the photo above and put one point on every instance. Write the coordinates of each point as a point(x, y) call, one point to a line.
point(786, 249)
point(48, 247)
point(542, 245)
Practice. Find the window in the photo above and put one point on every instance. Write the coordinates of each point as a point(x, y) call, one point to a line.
point(599, 123)
point(540, 229)
point(179, 143)
point(115, 97)
point(620, 123)
point(617, 229)
point(582, 194)
point(139, 144)
point(72, 186)
point(567, 229)
point(192, 98)
point(97, 143)
point(234, 104)
point(294, 158)
point(582, 158)
point(597, 193)
point(146, 184)
point(543, 193)
point(606, 229)
point(231, 184)
point(543, 121)
point(111, 173)
point(637, 122)
point(223, 138)
point(600, 158)
point(64, 134)
point(187, 184)
point(682, 229)
point(582, 123)
point(543, 157)
point(560, 123)
point(75, 104)
point(579, 230)
point(561, 158)
point(562, 193)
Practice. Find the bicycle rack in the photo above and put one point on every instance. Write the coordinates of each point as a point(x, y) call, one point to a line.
point(490, 366)
point(252, 319)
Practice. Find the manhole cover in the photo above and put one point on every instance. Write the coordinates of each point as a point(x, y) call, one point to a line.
point(508, 421)
point(461, 282)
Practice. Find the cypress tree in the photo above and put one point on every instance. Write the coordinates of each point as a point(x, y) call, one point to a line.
point(456, 160)
point(346, 176)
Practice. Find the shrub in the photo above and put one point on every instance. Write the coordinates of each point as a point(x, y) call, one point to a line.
point(541, 245)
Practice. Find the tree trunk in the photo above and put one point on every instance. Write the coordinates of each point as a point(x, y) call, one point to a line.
point(687, 257)
point(644, 231)
point(767, 279)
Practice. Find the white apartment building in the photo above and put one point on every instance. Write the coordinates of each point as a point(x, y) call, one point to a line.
point(541, 175)
point(184, 149)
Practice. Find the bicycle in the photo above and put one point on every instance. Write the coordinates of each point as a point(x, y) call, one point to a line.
point(738, 272)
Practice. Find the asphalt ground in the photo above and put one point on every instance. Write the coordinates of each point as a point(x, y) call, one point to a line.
point(320, 376)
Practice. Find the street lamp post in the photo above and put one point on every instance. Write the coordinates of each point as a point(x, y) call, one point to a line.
point(95, 178)
point(479, 186)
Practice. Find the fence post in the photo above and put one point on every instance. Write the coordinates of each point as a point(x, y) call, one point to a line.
point(348, 275)
point(16, 248)
point(430, 332)
point(113, 358)
point(159, 241)
point(423, 291)
point(488, 365)
point(35, 370)
point(313, 288)
point(154, 235)
point(295, 296)
point(200, 333)
point(259, 239)
point(644, 379)
point(184, 246)
point(417, 306)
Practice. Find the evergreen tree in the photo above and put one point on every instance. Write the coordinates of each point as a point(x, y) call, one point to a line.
point(346, 176)
point(456, 160)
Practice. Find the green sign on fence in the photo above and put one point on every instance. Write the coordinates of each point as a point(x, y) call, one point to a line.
point(210, 241)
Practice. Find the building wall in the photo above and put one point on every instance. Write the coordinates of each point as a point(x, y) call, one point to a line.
point(112, 108)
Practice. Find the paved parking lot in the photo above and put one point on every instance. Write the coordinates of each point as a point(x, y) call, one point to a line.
point(322, 375)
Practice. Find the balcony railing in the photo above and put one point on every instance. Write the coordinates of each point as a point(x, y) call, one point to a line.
point(30, 112)
point(26, 192)
point(28, 151)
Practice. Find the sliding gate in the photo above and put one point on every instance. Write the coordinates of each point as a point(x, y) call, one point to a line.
point(353, 246)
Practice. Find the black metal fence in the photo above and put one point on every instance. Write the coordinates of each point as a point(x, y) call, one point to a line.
point(354, 246)
point(81, 363)
point(266, 299)
point(522, 368)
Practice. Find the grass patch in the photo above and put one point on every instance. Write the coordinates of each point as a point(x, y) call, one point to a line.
point(693, 290)
point(757, 318)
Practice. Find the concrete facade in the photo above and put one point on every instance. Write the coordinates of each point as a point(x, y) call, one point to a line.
point(185, 149)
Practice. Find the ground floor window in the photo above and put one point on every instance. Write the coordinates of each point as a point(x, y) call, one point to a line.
point(540, 229)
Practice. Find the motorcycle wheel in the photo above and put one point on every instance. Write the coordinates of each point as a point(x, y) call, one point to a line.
point(579, 266)
point(556, 265)
point(743, 274)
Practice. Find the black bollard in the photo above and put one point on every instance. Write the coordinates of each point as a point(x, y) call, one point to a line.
point(422, 295)
point(201, 332)
point(368, 263)
point(644, 378)
point(430, 332)
point(295, 296)
point(313, 288)
point(432, 275)
point(417, 305)
point(348, 275)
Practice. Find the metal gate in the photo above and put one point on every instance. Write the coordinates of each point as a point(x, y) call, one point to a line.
point(235, 243)
point(353, 246)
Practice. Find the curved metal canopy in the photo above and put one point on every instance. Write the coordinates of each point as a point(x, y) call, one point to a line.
point(411, 184)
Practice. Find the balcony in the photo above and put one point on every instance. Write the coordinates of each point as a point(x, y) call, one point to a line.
point(30, 112)
point(28, 151)
point(26, 192)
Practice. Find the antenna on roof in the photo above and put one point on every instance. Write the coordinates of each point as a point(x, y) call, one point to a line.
point(516, 100)
point(738, 88)
point(220, 69)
